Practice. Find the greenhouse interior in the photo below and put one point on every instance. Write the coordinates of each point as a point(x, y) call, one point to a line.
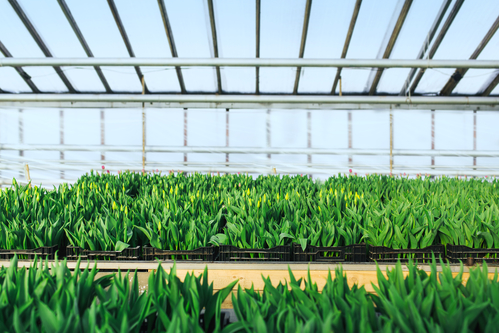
point(249, 166)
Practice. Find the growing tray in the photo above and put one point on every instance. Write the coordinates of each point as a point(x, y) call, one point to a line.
point(386, 254)
point(457, 253)
point(75, 252)
point(349, 253)
point(233, 253)
point(208, 253)
point(43, 252)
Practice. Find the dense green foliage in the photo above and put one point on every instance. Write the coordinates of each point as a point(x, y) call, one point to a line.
point(419, 302)
point(40, 299)
point(53, 300)
point(179, 212)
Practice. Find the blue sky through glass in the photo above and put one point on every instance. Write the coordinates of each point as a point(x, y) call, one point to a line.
point(281, 30)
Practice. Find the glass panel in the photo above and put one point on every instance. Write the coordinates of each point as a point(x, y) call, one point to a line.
point(409, 42)
point(145, 29)
point(468, 29)
point(123, 127)
point(474, 80)
point(165, 127)
point(192, 33)
point(487, 137)
point(11, 81)
point(96, 22)
point(374, 125)
point(329, 129)
point(495, 91)
point(325, 39)
point(280, 36)
point(411, 129)
point(248, 128)
point(21, 44)
point(236, 39)
point(368, 35)
point(52, 25)
point(206, 127)
point(288, 128)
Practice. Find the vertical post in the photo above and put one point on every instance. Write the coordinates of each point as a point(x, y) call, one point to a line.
point(61, 134)
point(432, 135)
point(474, 137)
point(309, 138)
point(227, 135)
point(21, 135)
point(268, 132)
point(341, 94)
point(102, 135)
point(185, 133)
point(349, 136)
point(143, 129)
point(391, 140)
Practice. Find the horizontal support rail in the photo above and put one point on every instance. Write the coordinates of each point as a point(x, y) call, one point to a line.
point(123, 165)
point(261, 99)
point(288, 168)
point(165, 106)
point(251, 62)
point(252, 150)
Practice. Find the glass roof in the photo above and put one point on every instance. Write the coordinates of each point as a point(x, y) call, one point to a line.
point(464, 35)
point(281, 29)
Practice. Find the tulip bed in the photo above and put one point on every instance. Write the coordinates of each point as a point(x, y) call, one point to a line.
point(40, 299)
point(103, 212)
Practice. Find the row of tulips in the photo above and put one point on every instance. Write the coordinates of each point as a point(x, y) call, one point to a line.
point(179, 212)
point(55, 299)
point(40, 299)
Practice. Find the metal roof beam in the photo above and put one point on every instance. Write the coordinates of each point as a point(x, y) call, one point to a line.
point(426, 43)
point(69, 16)
point(41, 44)
point(251, 62)
point(215, 98)
point(391, 43)
point(438, 41)
point(257, 55)
point(215, 42)
point(460, 72)
point(19, 70)
point(171, 42)
point(306, 20)
point(355, 14)
point(124, 35)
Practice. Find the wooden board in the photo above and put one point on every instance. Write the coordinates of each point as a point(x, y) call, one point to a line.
point(248, 274)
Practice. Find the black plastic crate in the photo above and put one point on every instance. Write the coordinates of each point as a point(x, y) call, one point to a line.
point(457, 253)
point(43, 252)
point(386, 254)
point(208, 253)
point(75, 252)
point(233, 253)
point(349, 253)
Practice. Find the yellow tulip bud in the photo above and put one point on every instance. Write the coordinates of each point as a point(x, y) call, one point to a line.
point(286, 197)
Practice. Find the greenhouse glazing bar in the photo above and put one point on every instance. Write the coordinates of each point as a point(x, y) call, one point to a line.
point(252, 62)
point(253, 150)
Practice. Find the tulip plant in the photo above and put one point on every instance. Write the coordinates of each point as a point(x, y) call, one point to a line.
point(56, 299)
point(105, 212)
